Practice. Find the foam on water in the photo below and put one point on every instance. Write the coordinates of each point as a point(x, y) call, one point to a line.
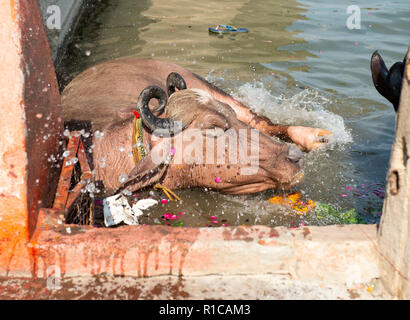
point(307, 107)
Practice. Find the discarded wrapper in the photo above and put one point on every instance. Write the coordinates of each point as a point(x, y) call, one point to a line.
point(144, 204)
point(117, 210)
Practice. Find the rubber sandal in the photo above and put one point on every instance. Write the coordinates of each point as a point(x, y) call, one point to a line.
point(222, 28)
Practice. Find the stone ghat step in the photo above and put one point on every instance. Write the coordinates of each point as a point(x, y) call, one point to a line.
point(211, 287)
point(338, 254)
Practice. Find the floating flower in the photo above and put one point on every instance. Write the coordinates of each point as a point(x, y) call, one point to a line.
point(218, 180)
point(293, 201)
point(214, 218)
point(169, 216)
point(379, 194)
point(164, 201)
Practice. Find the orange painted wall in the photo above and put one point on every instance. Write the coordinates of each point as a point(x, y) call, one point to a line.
point(26, 72)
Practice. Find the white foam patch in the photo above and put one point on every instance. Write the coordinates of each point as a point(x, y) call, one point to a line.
point(306, 108)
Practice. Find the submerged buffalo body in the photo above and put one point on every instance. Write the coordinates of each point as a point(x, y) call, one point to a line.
point(181, 133)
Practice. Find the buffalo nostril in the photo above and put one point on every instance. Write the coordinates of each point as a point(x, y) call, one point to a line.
point(295, 155)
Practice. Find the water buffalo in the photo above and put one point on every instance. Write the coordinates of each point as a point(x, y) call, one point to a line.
point(387, 82)
point(107, 94)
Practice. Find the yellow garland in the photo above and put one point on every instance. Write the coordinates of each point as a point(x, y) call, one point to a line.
point(138, 153)
point(137, 144)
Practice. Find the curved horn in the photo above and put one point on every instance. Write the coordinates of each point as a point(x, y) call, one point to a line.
point(161, 127)
point(175, 80)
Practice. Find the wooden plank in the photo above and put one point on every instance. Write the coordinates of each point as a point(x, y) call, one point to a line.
point(66, 173)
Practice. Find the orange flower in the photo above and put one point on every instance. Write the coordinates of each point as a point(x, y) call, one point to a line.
point(293, 201)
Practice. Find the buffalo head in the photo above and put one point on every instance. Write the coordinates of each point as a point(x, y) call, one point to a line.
point(198, 141)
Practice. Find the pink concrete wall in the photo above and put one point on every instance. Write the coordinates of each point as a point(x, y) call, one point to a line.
point(41, 106)
point(29, 102)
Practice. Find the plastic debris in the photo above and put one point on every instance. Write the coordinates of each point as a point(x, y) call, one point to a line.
point(117, 210)
point(145, 204)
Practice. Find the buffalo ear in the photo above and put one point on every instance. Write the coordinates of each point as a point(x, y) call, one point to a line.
point(395, 81)
point(379, 75)
point(145, 173)
point(387, 82)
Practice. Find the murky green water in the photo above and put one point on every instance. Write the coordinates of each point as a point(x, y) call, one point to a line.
point(299, 64)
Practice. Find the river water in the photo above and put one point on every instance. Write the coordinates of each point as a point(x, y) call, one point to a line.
point(299, 64)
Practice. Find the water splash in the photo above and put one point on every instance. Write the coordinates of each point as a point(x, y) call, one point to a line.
point(308, 107)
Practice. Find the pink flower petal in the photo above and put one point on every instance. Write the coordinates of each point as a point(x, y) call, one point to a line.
point(344, 195)
point(169, 216)
point(218, 179)
point(181, 213)
point(164, 201)
point(214, 218)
